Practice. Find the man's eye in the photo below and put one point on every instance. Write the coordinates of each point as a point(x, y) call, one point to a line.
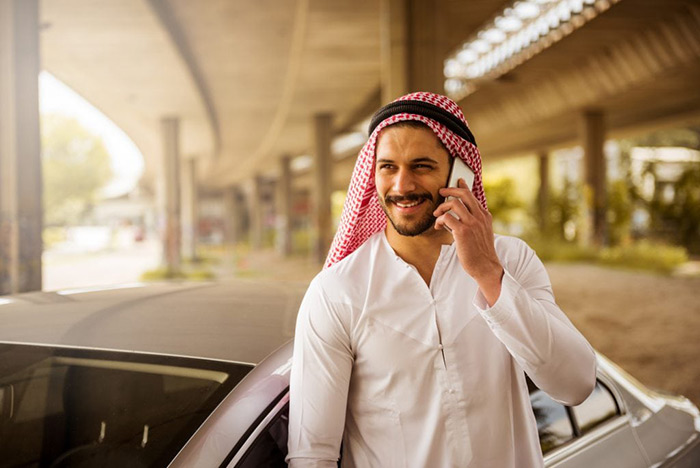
point(386, 166)
point(423, 166)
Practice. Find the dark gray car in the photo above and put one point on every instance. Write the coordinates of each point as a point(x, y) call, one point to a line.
point(177, 375)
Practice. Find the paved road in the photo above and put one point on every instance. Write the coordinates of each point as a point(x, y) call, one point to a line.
point(65, 269)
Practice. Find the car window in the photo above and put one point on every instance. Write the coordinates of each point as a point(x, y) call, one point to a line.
point(64, 407)
point(598, 408)
point(553, 422)
point(270, 448)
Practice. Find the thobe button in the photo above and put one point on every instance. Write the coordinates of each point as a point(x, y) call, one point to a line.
point(452, 390)
point(440, 346)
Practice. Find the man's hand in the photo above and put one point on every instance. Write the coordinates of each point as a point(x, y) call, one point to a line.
point(473, 234)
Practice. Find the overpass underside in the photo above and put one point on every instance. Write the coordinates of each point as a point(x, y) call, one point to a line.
point(254, 101)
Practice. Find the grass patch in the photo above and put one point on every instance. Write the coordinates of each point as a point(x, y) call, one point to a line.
point(642, 255)
point(645, 255)
point(160, 274)
point(558, 251)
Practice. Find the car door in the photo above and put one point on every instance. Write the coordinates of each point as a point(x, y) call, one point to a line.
point(266, 447)
point(594, 433)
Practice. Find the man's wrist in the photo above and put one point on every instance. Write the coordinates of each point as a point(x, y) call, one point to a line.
point(490, 284)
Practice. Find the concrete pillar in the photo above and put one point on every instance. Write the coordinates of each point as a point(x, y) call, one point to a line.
point(190, 212)
point(233, 212)
point(543, 192)
point(322, 234)
point(411, 47)
point(593, 140)
point(20, 148)
point(170, 128)
point(256, 214)
point(284, 207)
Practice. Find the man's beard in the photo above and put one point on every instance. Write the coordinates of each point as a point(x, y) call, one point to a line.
point(417, 227)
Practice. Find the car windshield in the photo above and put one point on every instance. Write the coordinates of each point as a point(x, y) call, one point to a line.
point(77, 407)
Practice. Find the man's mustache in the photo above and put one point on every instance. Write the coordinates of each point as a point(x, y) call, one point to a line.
point(408, 197)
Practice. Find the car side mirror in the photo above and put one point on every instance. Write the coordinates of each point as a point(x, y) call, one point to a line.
point(7, 402)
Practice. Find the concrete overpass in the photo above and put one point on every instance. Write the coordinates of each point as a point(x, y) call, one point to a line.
point(221, 96)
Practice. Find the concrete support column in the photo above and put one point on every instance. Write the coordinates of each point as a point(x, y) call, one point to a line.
point(284, 207)
point(543, 192)
point(233, 212)
point(21, 214)
point(256, 214)
point(411, 51)
point(322, 186)
point(190, 206)
point(170, 128)
point(593, 140)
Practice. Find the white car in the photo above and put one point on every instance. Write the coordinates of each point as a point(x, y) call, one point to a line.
point(181, 375)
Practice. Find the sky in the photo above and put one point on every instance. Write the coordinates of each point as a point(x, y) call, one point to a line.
point(126, 159)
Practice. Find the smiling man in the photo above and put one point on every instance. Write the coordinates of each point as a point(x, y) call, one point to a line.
point(413, 344)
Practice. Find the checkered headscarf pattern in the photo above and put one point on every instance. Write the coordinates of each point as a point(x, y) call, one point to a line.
point(362, 214)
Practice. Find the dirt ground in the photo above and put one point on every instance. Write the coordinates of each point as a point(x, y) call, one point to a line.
point(648, 324)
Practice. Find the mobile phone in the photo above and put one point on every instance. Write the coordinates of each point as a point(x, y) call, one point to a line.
point(459, 170)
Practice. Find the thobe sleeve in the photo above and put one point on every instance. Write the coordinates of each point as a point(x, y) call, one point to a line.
point(538, 335)
point(319, 383)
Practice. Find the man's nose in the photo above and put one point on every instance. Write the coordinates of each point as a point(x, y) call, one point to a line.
point(404, 182)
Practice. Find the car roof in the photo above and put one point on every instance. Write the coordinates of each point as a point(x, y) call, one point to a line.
point(236, 320)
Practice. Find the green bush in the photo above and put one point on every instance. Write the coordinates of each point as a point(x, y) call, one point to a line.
point(301, 242)
point(645, 255)
point(159, 274)
point(554, 250)
point(619, 213)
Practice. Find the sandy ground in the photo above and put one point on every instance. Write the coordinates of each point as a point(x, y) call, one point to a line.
point(648, 324)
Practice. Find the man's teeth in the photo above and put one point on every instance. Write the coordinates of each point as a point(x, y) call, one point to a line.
point(408, 205)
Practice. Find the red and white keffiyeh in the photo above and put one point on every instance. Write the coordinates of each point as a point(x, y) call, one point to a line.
point(362, 214)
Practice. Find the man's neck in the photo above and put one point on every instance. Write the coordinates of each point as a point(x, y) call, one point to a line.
point(421, 251)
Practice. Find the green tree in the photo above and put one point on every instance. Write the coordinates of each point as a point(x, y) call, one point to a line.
point(679, 218)
point(564, 211)
point(502, 199)
point(620, 207)
point(75, 167)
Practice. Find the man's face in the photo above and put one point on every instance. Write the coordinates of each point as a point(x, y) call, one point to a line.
point(411, 166)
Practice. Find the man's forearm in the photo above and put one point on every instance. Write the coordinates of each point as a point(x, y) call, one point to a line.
point(544, 343)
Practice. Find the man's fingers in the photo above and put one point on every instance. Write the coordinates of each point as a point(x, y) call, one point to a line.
point(467, 198)
point(447, 221)
point(455, 205)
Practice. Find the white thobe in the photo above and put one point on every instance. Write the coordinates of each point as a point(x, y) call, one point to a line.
point(411, 375)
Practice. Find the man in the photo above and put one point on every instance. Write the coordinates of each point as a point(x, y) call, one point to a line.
point(412, 345)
